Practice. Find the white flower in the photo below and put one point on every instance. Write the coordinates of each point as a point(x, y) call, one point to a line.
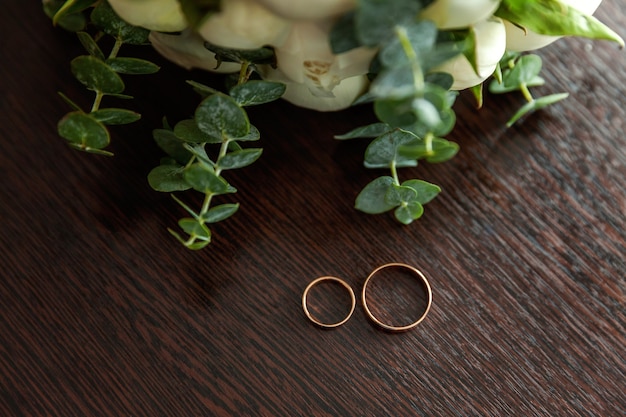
point(244, 24)
point(456, 14)
point(187, 50)
point(315, 77)
point(343, 96)
point(161, 15)
point(518, 40)
point(308, 9)
point(490, 46)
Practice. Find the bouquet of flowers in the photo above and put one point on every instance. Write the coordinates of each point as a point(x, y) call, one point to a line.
point(406, 58)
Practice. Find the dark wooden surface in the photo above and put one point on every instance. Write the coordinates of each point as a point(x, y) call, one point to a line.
point(102, 313)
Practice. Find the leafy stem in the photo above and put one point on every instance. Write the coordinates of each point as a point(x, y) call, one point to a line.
point(220, 120)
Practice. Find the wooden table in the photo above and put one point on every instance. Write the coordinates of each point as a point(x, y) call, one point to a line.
point(103, 313)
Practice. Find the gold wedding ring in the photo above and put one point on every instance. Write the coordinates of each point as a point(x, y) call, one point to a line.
point(305, 306)
point(414, 271)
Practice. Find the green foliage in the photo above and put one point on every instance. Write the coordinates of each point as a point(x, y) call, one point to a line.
point(87, 129)
point(202, 148)
point(412, 103)
point(520, 72)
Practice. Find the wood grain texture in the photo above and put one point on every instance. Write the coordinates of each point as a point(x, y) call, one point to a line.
point(103, 314)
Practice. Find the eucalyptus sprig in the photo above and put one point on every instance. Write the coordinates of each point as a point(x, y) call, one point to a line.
point(221, 124)
point(412, 102)
point(87, 130)
point(517, 72)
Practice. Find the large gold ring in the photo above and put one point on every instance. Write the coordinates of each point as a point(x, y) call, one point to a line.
point(305, 303)
point(429, 296)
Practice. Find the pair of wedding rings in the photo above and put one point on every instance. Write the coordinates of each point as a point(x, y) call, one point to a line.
point(364, 299)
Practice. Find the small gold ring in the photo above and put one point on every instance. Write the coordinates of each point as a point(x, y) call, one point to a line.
point(306, 308)
point(429, 296)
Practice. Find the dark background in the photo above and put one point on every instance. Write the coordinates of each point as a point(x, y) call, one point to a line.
point(103, 313)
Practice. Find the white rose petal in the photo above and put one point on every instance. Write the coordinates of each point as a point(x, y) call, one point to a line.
point(456, 14)
point(308, 9)
point(343, 95)
point(187, 50)
point(159, 15)
point(244, 24)
point(490, 46)
point(306, 58)
point(518, 40)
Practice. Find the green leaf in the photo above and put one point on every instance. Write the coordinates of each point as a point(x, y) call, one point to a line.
point(553, 17)
point(90, 45)
point(219, 213)
point(72, 22)
point(203, 179)
point(376, 20)
point(188, 131)
point(535, 105)
point(239, 159)
point(370, 131)
point(105, 17)
point(168, 178)
point(171, 145)
point(343, 34)
point(263, 55)
point(407, 213)
point(113, 116)
point(257, 92)
point(383, 151)
point(397, 113)
point(194, 228)
point(70, 8)
point(439, 150)
point(427, 113)
point(394, 83)
point(83, 131)
point(253, 135)
point(426, 191)
point(421, 36)
point(398, 194)
point(134, 66)
point(372, 199)
point(96, 75)
point(220, 116)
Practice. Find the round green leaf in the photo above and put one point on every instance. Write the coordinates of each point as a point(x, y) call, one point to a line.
point(133, 66)
point(203, 179)
point(406, 214)
point(372, 199)
point(383, 151)
point(239, 159)
point(220, 116)
point(168, 178)
point(257, 92)
point(425, 190)
point(398, 194)
point(195, 229)
point(83, 131)
point(114, 116)
point(188, 131)
point(96, 75)
point(219, 213)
